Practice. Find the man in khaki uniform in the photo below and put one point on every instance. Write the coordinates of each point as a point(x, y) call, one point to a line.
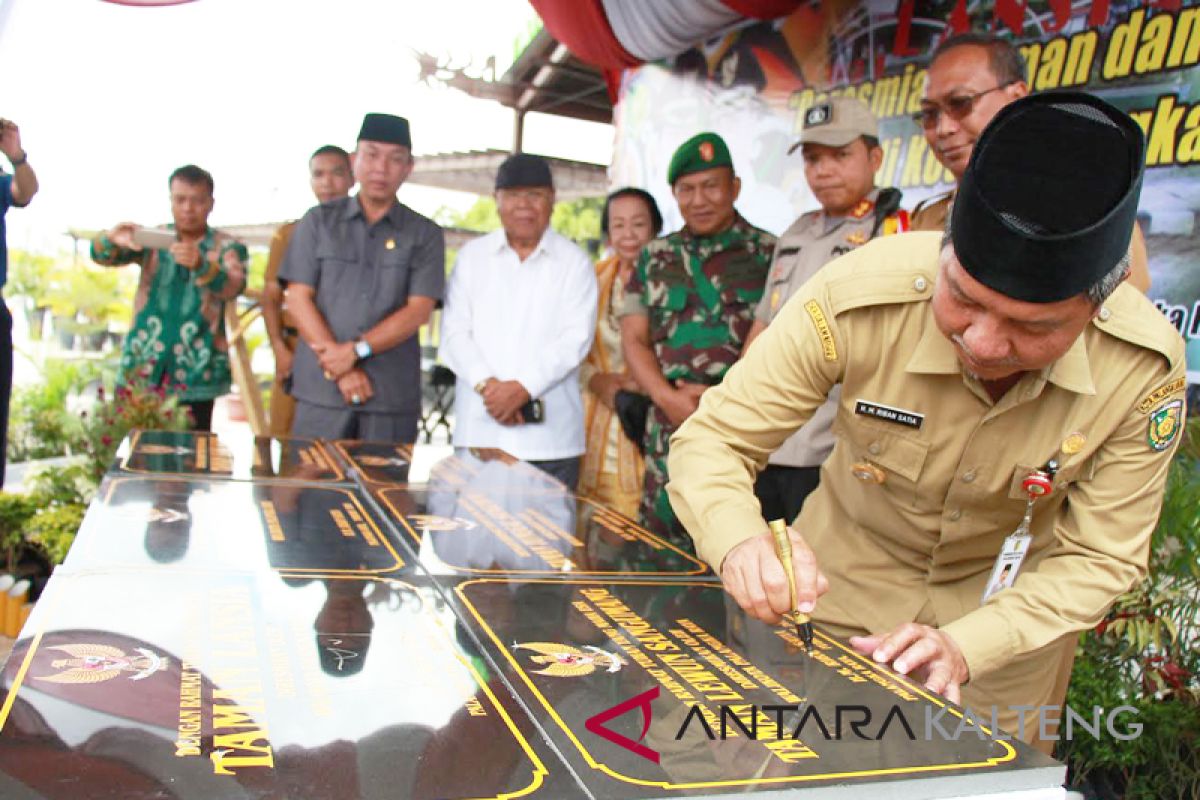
point(971, 77)
point(966, 365)
point(840, 146)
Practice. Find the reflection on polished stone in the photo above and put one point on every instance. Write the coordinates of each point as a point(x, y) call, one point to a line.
point(453, 627)
point(145, 522)
point(144, 685)
point(376, 462)
point(668, 685)
point(203, 454)
point(500, 515)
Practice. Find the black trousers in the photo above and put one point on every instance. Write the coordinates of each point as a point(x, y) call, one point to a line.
point(781, 490)
point(202, 411)
point(6, 369)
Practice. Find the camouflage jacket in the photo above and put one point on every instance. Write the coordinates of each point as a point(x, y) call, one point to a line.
point(700, 293)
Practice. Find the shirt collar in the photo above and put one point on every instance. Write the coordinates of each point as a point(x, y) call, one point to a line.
point(353, 208)
point(824, 219)
point(935, 354)
point(543, 244)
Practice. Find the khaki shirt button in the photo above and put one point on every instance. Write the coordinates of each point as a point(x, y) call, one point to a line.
point(873, 448)
point(955, 515)
point(969, 476)
point(920, 284)
point(1105, 314)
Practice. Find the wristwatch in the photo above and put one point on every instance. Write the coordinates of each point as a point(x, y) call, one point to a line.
point(16, 162)
point(362, 349)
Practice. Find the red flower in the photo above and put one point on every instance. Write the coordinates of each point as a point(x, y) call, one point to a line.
point(106, 440)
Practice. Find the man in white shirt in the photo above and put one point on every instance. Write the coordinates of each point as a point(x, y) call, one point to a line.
point(519, 319)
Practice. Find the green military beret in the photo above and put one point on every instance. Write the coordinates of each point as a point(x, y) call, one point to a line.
point(702, 151)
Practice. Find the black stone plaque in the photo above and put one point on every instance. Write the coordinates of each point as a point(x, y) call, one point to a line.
point(632, 680)
point(202, 454)
point(489, 530)
point(376, 462)
point(232, 525)
point(170, 683)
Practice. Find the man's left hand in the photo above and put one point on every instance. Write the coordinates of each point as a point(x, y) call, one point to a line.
point(503, 400)
point(336, 359)
point(929, 652)
point(10, 139)
point(186, 254)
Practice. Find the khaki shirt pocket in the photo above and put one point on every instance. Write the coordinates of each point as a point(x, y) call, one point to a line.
point(1075, 471)
point(883, 452)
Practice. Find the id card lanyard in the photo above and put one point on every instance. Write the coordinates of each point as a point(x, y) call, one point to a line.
point(1037, 484)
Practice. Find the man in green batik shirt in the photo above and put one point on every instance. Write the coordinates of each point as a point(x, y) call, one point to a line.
point(178, 334)
point(688, 307)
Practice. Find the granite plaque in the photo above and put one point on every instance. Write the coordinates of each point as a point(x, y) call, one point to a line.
point(239, 685)
point(655, 688)
point(203, 454)
point(148, 522)
point(489, 530)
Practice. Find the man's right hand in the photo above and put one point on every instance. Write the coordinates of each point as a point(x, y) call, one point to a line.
point(680, 403)
point(754, 577)
point(122, 236)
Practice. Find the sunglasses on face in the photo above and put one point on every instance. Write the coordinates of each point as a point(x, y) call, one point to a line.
point(957, 107)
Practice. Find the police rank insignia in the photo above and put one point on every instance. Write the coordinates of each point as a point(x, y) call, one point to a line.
point(862, 209)
point(857, 238)
point(1165, 424)
point(706, 151)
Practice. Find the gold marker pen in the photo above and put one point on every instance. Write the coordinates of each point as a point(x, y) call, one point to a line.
point(783, 549)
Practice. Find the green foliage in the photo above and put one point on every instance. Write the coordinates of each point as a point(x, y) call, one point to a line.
point(29, 275)
point(256, 270)
point(481, 216)
point(53, 529)
point(92, 297)
point(1144, 654)
point(15, 512)
point(61, 486)
point(135, 404)
point(579, 221)
point(39, 425)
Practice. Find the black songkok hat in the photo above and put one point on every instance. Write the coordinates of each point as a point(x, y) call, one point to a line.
point(1049, 199)
point(385, 128)
point(524, 169)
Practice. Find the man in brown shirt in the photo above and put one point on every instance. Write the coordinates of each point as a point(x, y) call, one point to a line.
point(968, 364)
point(331, 178)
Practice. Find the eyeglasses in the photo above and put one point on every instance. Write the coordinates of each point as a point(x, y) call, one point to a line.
point(957, 107)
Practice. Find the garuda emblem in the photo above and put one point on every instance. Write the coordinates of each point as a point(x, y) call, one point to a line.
point(96, 663)
point(565, 661)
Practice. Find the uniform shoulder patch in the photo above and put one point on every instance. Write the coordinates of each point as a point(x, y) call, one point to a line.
point(821, 323)
point(1165, 423)
point(1161, 393)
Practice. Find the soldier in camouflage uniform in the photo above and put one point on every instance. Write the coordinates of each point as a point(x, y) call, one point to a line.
point(688, 307)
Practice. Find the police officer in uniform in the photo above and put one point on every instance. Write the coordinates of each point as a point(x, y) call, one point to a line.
point(840, 146)
point(363, 274)
point(975, 369)
point(688, 307)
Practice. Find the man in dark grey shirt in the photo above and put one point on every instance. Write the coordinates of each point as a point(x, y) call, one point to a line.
point(363, 273)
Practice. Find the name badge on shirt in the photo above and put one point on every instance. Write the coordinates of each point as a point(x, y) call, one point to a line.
point(900, 416)
point(1008, 564)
